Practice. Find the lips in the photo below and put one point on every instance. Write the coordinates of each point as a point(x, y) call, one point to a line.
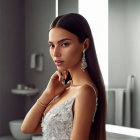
point(58, 62)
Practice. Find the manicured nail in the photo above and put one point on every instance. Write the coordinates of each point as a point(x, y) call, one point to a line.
point(65, 76)
point(63, 82)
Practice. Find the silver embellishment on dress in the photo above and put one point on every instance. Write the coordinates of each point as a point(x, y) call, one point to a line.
point(58, 121)
point(95, 109)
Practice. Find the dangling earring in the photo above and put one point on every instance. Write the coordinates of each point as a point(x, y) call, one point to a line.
point(84, 63)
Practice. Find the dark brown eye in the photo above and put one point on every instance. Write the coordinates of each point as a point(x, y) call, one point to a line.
point(51, 46)
point(65, 44)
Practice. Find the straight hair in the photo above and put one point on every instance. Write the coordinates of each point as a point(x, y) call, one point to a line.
point(78, 25)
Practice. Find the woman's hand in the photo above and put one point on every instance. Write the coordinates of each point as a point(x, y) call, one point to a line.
point(55, 85)
point(31, 123)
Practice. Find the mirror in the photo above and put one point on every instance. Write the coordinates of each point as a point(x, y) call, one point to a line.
point(123, 56)
point(124, 68)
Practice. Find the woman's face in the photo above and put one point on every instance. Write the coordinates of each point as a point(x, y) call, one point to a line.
point(65, 49)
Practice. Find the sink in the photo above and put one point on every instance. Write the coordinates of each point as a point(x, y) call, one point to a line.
point(26, 92)
point(122, 132)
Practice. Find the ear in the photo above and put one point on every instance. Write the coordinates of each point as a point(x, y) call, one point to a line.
point(86, 44)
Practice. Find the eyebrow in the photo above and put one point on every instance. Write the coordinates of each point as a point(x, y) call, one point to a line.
point(60, 40)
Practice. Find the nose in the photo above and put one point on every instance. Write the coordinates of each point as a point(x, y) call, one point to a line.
point(56, 52)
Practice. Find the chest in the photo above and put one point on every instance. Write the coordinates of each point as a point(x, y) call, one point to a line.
point(57, 123)
point(63, 99)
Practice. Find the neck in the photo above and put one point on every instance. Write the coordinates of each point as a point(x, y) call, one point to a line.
point(79, 77)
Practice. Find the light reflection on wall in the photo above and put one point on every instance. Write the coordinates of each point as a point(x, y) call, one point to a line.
point(96, 12)
point(56, 8)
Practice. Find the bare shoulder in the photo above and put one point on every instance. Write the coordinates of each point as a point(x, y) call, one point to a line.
point(88, 91)
point(86, 95)
point(85, 101)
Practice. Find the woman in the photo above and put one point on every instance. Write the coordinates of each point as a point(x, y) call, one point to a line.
point(68, 109)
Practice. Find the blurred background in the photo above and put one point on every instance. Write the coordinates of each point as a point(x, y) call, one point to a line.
point(123, 62)
point(24, 28)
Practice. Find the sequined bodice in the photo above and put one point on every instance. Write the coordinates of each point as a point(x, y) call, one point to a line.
point(57, 123)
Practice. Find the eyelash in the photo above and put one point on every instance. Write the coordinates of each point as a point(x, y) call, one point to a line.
point(65, 44)
point(51, 46)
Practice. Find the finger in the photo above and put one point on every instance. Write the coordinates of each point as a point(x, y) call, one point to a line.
point(63, 82)
point(64, 73)
point(55, 76)
point(70, 81)
point(68, 84)
point(59, 75)
point(67, 73)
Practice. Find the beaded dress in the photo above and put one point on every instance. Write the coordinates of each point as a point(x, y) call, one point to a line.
point(57, 122)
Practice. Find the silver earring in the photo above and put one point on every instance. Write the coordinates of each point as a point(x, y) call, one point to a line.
point(84, 63)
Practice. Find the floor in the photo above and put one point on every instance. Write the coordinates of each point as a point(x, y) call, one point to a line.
point(7, 138)
point(110, 136)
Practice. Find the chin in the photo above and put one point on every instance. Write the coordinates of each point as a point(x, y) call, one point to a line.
point(61, 69)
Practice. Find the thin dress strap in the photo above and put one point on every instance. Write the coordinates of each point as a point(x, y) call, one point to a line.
point(96, 101)
point(94, 90)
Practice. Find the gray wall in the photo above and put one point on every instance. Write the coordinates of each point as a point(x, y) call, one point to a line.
point(67, 6)
point(117, 49)
point(11, 61)
point(38, 16)
point(124, 50)
point(24, 28)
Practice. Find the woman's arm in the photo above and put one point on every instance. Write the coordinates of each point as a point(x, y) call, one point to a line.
point(31, 123)
point(85, 105)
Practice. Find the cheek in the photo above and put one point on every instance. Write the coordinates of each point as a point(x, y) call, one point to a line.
point(74, 55)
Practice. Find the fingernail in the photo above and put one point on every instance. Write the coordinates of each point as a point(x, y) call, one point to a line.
point(65, 77)
point(63, 82)
point(64, 72)
point(59, 78)
point(69, 81)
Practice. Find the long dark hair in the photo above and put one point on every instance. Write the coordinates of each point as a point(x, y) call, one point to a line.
point(78, 25)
